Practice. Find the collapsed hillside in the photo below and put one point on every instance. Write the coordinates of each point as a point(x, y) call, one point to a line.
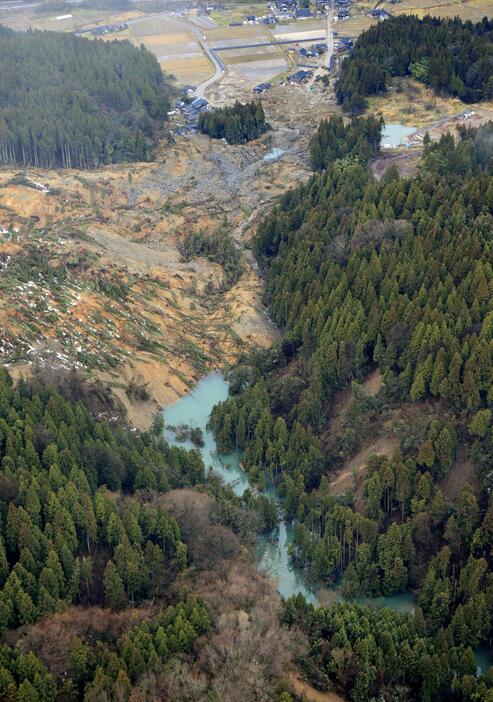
point(112, 271)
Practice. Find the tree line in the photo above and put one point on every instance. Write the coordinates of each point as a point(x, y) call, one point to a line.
point(237, 124)
point(58, 516)
point(449, 55)
point(70, 102)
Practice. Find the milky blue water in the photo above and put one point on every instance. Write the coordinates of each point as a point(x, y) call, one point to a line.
point(273, 154)
point(193, 410)
point(396, 135)
point(484, 659)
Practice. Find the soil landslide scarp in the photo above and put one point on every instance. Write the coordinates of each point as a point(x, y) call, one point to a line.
point(94, 276)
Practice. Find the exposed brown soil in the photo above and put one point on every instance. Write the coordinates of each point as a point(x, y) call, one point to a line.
point(461, 473)
point(123, 225)
point(341, 403)
point(351, 475)
point(406, 163)
point(309, 693)
point(372, 384)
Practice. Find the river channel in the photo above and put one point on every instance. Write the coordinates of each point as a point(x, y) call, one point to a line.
point(193, 410)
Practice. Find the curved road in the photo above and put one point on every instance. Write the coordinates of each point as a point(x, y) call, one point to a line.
point(218, 66)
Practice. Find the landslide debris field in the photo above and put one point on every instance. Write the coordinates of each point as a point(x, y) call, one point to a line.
point(97, 270)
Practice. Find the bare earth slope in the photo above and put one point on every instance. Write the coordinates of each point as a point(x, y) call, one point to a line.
point(91, 273)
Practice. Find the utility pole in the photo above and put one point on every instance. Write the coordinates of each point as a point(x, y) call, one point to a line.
point(329, 13)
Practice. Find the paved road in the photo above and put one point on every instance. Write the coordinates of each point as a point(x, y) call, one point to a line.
point(313, 40)
point(216, 61)
point(218, 73)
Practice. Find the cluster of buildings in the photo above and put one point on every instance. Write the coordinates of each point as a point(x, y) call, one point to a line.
point(284, 11)
point(343, 44)
point(191, 112)
point(301, 76)
point(292, 10)
point(193, 109)
point(314, 51)
point(103, 29)
point(380, 14)
point(253, 19)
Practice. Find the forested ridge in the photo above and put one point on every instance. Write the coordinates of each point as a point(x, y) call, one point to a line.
point(65, 539)
point(98, 578)
point(395, 274)
point(237, 124)
point(71, 102)
point(449, 55)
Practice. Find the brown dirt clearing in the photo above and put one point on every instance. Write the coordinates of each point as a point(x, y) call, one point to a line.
point(303, 689)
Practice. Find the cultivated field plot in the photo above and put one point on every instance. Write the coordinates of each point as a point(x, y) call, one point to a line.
point(417, 6)
point(448, 11)
point(174, 45)
point(300, 31)
point(202, 21)
point(237, 36)
point(353, 26)
point(264, 53)
point(474, 10)
point(157, 26)
point(258, 71)
point(254, 64)
point(63, 21)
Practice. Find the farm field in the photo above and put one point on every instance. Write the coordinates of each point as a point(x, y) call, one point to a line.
point(250, 64)
point(175, 46)
point(353, 26)
point(258, 70)
point(179, 43)
point(234, 36)
point(299, 31)
point(29, 18)
point(474, 10)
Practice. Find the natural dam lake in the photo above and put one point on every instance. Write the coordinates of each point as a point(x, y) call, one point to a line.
point(193, 410)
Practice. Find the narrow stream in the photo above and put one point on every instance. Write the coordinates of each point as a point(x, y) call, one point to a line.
point(193, 410)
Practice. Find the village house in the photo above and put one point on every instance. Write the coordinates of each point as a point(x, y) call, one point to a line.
point(303, 13)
